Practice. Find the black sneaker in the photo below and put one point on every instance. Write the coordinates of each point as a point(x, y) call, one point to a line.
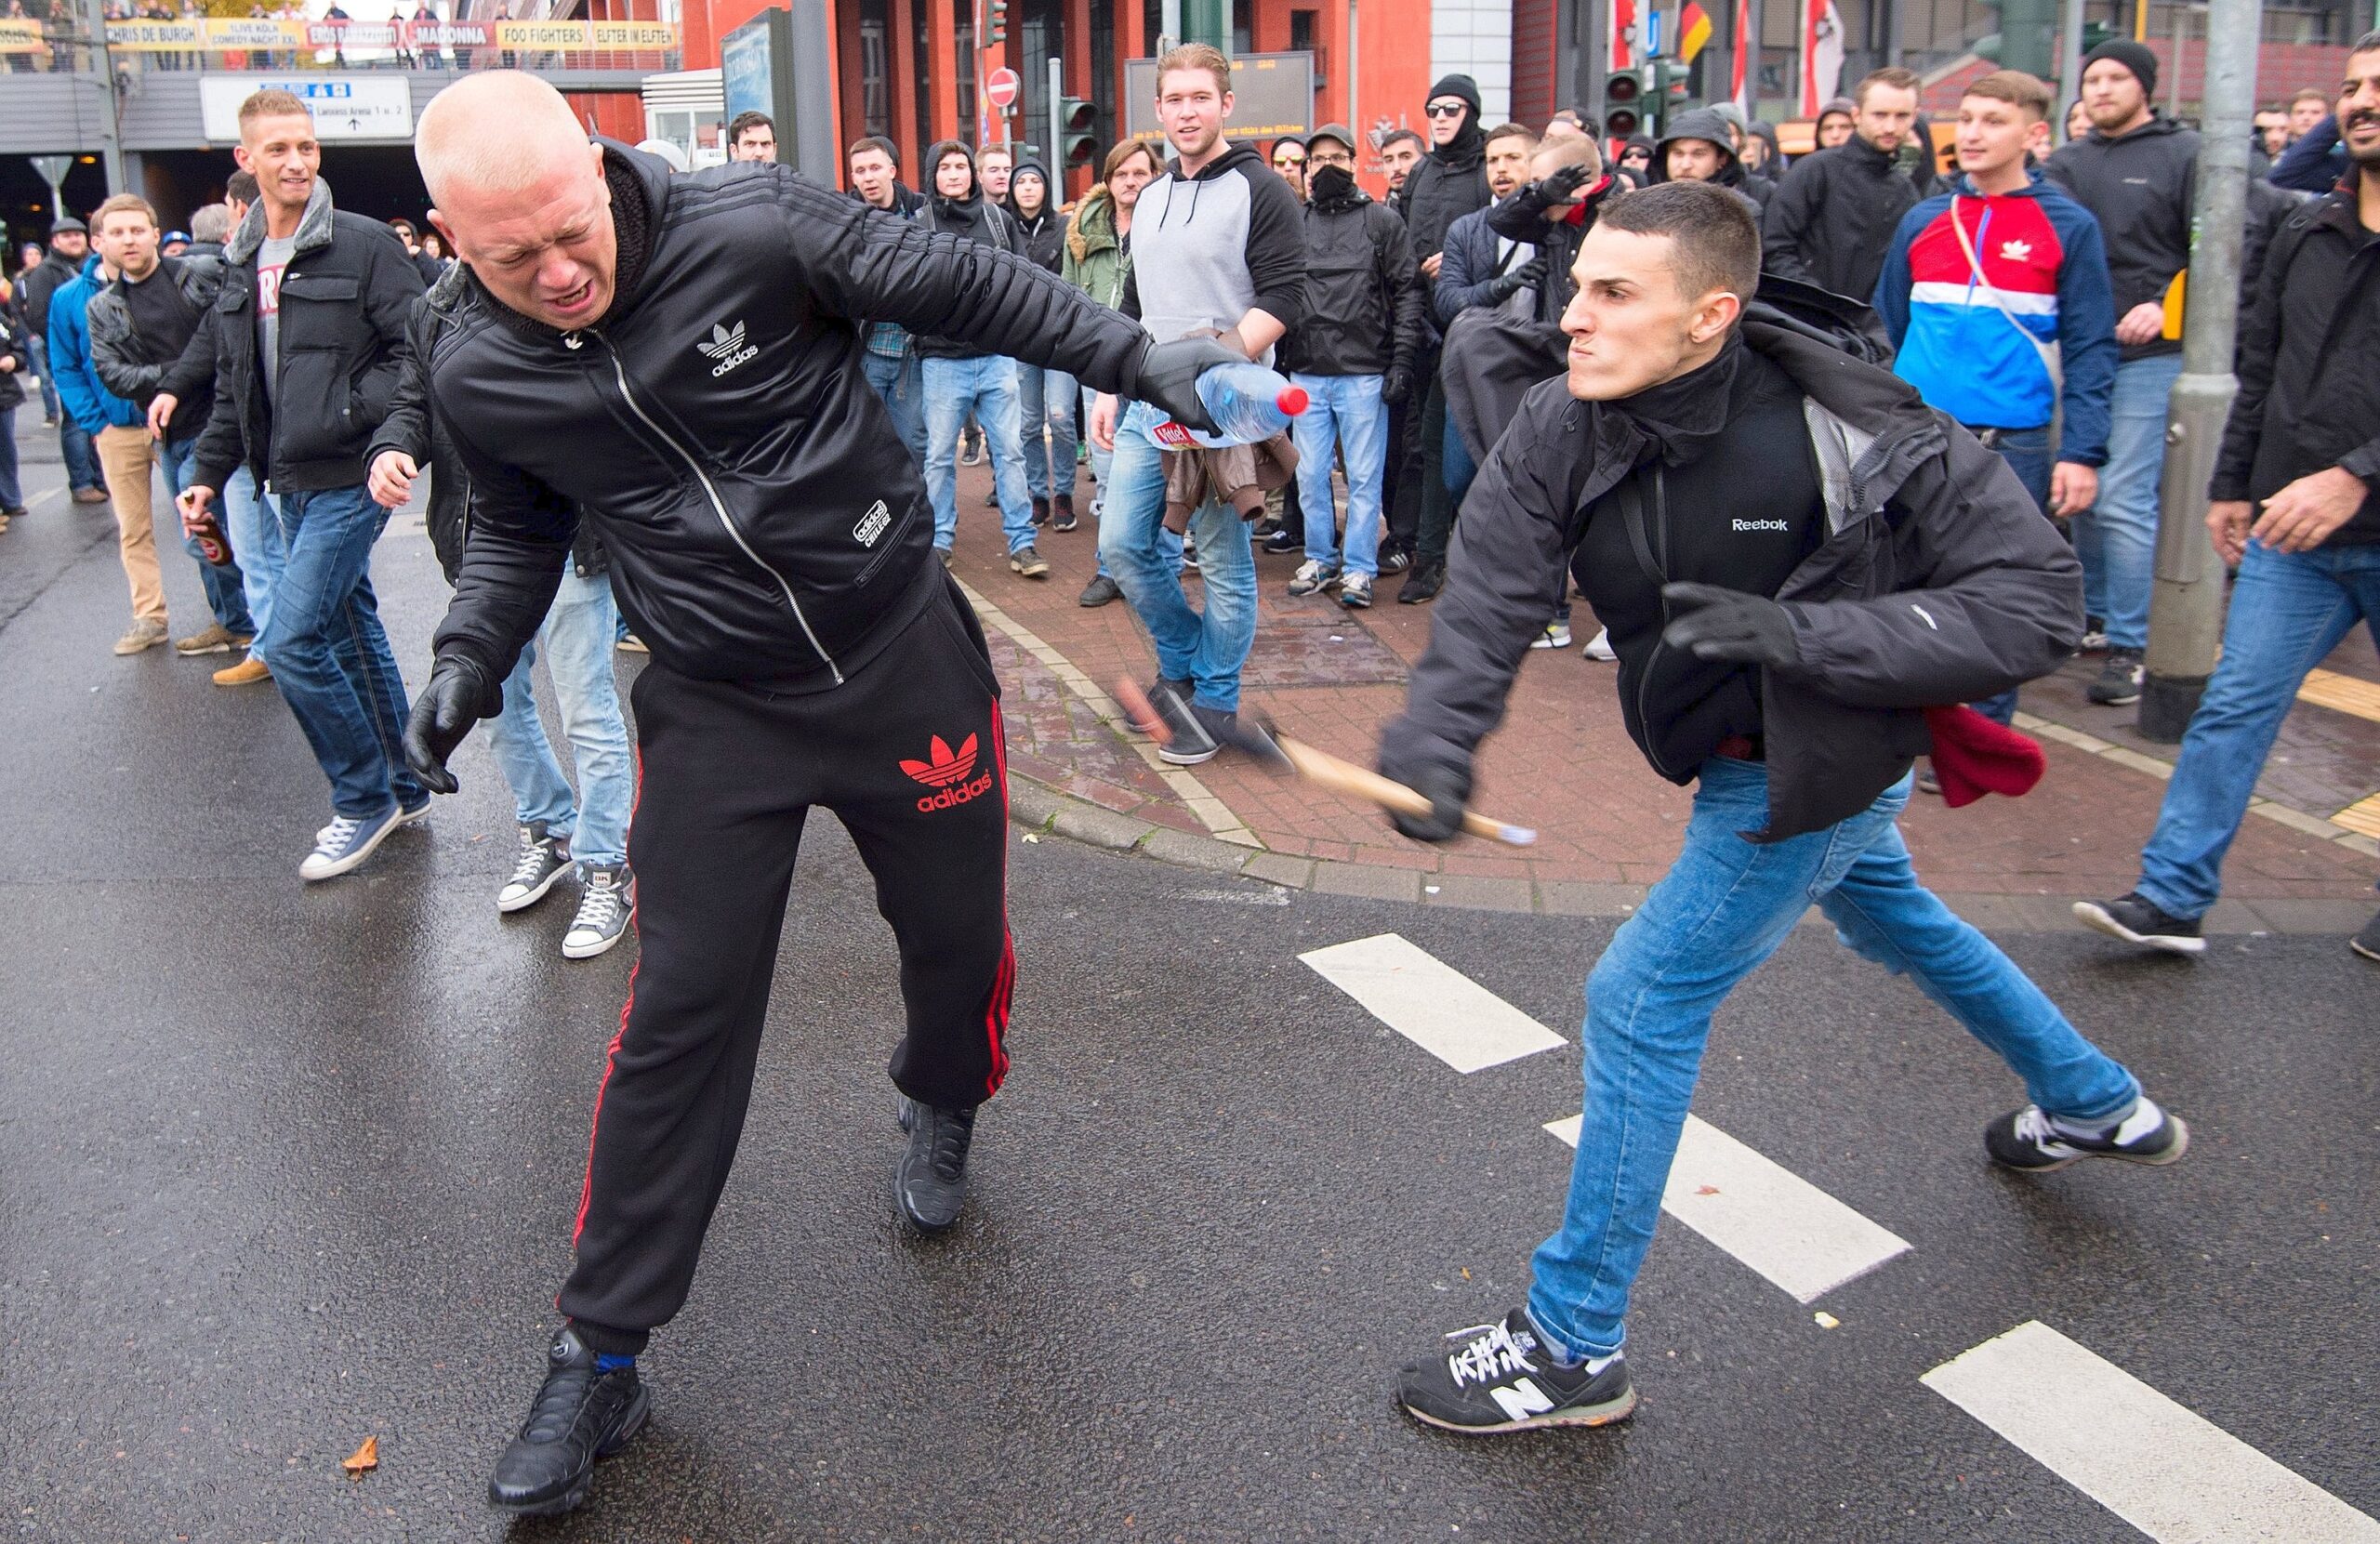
point(1422, 584)
point(1500, 1378)
point(2032, 1139)
point(1062, 512)
point(1394, 560)
point(2095, 636)
point(1101, 590)
point(1282, 541)
point(932, 1182)
point(1041, 512)
point(580, 1415)
point(2367, 943)
point(1193, 741)
point(2120, 682)
point(2136, 920)
point(1159, 690)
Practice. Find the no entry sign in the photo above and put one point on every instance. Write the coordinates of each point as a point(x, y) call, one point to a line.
point(1001, 86)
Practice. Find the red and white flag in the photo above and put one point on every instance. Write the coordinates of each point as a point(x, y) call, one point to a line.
point(1821, 55)
point(1742, 82)
point(1623, 34)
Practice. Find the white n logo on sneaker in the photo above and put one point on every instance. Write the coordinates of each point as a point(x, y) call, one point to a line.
point(1521, 1399)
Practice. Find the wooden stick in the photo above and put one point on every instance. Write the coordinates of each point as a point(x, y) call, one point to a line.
point(1330, 771)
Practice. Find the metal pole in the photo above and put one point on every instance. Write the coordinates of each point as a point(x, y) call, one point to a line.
point(2070, 60)
point(1169, 34)
point(2185, 607)
point(95, 20)
point(1055, 155)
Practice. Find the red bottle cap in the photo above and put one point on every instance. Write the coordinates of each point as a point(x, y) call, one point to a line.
point(1292, 401)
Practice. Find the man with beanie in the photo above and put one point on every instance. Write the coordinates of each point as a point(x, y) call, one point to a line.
point(1834, 214)
point(1449, 183)
point(1782, 621)
point(1354, 356)
point(2138, 171)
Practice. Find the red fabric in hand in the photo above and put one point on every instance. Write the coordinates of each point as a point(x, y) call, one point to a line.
point(1974, 757)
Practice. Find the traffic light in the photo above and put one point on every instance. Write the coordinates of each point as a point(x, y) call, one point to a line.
point(1077, 132)
point(1671, 78)
point(999, 21)
point(2027, 36)
point(1624, 105)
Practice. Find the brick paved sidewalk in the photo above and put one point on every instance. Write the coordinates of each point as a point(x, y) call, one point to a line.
point(1563, 762)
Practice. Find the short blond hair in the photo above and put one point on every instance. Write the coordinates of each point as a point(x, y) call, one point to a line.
point(123, 204)
point(272, 102)
point(1196, 56)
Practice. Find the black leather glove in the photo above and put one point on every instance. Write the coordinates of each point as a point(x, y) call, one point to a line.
point(1441, 774)
point(1528, 273)
point(1396, 386)
point(458, 695)
point(1711, 622)
point(1168, 379)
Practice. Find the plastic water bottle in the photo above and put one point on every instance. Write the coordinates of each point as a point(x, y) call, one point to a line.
point(1247, 402)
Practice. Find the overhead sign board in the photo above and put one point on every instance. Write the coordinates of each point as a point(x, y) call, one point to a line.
point(345, 107)
point(1272, 95)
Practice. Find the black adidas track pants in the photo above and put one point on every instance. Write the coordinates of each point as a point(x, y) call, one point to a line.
point(908, 754)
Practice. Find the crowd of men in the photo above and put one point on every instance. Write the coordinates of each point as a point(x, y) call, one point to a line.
point(1745, 408)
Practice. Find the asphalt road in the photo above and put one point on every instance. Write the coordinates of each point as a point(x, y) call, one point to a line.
point(283, 1167)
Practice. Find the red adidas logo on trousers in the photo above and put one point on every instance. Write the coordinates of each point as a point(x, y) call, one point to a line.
point(948, 771)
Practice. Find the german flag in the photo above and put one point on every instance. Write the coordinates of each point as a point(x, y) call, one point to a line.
point(1693, 31)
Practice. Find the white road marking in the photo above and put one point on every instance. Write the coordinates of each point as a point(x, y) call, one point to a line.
point(1765, 1214)
point(1431, 1003)
point(2173, 1475)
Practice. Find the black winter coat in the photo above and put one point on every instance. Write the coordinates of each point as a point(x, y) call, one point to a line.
point(345, 297)
point(1447, 184)
point(1832, 219)
point(764, 523)
point(414, 427)
point(34, 290)
point(1363, 294)
point(138, 369)
point(1045, 237)
point(973, 219)
point(2309, 365)
point(12, 342)
point(1938, 583)
point(2142, 186)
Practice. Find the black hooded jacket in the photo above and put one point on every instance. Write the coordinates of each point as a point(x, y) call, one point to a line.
point(1832, 217)
point(1363, 290)
point(1934, 581)
point(2142, 186)
point(2309, 365)
point(972, 217)
point(764, 522)
point(1045, 233)
point(1704, 124)
point(1452, 180)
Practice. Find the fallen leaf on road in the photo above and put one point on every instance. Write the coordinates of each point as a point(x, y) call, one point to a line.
point(1706, 1189)
point(1031, 836)
point(1827, 1320)
point(365, 1459)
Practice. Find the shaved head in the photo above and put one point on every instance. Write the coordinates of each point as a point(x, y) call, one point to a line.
point(520, 195)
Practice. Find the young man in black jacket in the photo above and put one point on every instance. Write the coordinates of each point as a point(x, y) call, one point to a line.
point(770, 541)
point(1780, 622)
point(2304, 442)
point(1834, 211)
point(1354, 355)
point(893, 369)
point(2138, 171)
point(309, 327)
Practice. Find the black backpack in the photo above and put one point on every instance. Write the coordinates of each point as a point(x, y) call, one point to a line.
point(1837, 321)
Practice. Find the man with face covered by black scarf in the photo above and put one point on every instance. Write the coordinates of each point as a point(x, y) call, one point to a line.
point(1449, 183)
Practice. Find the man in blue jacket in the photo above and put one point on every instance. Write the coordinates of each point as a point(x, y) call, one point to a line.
point(1996, 295)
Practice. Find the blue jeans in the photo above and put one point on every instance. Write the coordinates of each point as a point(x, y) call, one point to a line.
point(1047, 397)
point(225, 584)
point(1206, 650)
point(2288, 612)
point(253, 521)
point(2117, 540)
point(82, 455)
point(986, 388)
point(900, 384)
point(2028, 452)
point(1342, 412)
point(39, 347)
point(1722, 908)
point(12, 495)
point(330, 657)
point(577, 636)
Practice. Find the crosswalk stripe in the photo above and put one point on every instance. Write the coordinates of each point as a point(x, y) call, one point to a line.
point(2173, 1475)
point(1431, 1003)
point(1763, 1213)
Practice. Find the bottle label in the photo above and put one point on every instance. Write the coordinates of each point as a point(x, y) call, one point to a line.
point(1175, 435)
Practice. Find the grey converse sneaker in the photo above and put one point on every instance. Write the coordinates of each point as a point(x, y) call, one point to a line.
point(543, 861)
point(604, 909)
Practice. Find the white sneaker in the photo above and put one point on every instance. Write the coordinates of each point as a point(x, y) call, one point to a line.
point(1313, 575)
point(345, 843)
point(1556, 636)
point(1599, 647)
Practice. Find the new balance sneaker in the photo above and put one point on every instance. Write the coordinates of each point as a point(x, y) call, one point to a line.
point(346, 842)
point(1027, 560)
point(1194, 741)
point(542, 863)
point(582, 1413)
point(2367, 943)
point(1501, 1378)
point(1599, 647)
point(1556, 636)
point(2033, 1138)
point(603, 916)
point(1314, 577)
point(930, 1185)
point(2119, 682)
point(1355, 592)
point(2138, 920)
